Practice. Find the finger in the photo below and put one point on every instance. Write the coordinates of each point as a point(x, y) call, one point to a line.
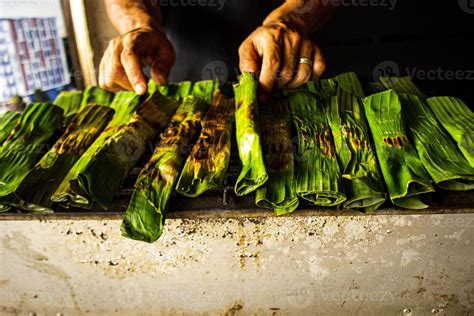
point(248, 58)
point(304, 71)
point(114, 73)
point(270, 66)
point(162, 63)
point(319, 63)
point(102, 70)
point(291, 47)
point(133, 69)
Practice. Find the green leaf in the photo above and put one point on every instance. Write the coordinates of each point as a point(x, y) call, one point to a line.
point(458, 120)
point(208, 162)
point(68, 192)
point(357, 159)
point(318, 178)
point(26, 143)
point(70, 102)
point(96, 95)
point(402, 85)
point(117, 157)
point(8, 120)
point(144, 216)
point(279, 192)
point(39, 184)
point(402, 170)
point(253, 173)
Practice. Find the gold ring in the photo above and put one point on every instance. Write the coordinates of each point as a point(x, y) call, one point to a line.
point(306, 61)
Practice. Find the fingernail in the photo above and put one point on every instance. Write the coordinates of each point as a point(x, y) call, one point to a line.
point(140, 88)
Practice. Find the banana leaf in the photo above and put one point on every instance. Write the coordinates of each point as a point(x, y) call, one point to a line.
point(279, 192)
point(403, 172)
point(25, 145)
point(349, 82)
point(36, 189)
point(458, 120)
point(70, 102)
point(253, 173)
point(121, 152)
point(376, 87)
point(8, 121)
point(124, 104)
point(208, 162)
point(97, 96)
point(204, 89)
point(402, 85)
point(437, 151)
point(318, 178)
point(177, 90)
point(144, 217)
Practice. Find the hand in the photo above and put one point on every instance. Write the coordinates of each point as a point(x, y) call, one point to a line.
point(121, 65)
point(276, 50)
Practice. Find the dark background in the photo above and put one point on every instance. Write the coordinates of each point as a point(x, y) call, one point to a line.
point(435, 36)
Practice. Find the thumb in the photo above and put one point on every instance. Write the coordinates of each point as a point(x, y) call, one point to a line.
point(248, 58)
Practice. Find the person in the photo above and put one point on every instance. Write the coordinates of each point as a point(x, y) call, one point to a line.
point(278, 51)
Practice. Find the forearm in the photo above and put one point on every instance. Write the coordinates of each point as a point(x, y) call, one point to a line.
point(306, 16)
point(127, 15)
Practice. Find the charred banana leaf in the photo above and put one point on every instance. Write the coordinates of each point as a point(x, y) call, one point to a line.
point(68, 193)
point(437, 151)
point(318, 178)
point(458, 120)
point(70, 102)
point(36, 189)
point(279, 192)
point(25, 145)
point(8, 121)
point(404, 175)
point(121, 152)
point(144, 217)
point(253, 173)
point(357, 159)
point(208, 162)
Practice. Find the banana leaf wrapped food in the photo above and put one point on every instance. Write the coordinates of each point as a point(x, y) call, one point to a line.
point(357, 159)
point(253, 173)
point(279, 192)
point(144, 217)
point(97, 96)
point(318, 177)
point(177, 90)
point(208, 162)
point(36, 189)
point(437, 151)
point(70, 101)
point(124, 104)
point(458, 120)
point(403, 172)
point(25, 145)
point(121, 152)
point(8, 121)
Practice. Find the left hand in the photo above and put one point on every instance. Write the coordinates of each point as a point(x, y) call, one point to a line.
point(277, 51)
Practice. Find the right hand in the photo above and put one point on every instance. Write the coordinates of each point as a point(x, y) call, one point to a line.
point(121, 65)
